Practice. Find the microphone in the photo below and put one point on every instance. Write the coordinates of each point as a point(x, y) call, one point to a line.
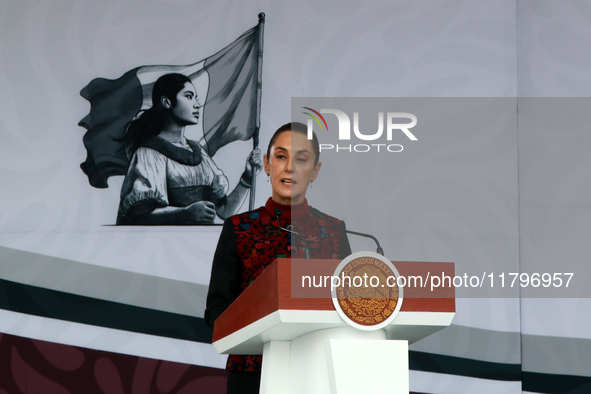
point(278, 213)
point(316, 213)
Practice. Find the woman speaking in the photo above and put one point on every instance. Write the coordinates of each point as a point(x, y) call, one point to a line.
point(251, 241)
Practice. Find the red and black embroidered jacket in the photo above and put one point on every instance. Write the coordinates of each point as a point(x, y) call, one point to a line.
point(251, 241)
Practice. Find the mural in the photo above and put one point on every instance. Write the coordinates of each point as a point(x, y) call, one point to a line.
point(469, 196)
point(137, 127)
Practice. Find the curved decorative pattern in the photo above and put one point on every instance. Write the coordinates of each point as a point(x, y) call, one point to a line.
point(31, 366)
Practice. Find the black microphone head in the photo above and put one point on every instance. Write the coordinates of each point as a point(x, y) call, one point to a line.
point(289, 227)
point(278, 212)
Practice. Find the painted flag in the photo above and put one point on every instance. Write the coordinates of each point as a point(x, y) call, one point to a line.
point(229, 81)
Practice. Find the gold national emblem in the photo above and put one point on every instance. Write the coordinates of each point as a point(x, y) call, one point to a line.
point(369, 297)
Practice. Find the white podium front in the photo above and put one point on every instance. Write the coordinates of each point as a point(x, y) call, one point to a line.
point(308, 348)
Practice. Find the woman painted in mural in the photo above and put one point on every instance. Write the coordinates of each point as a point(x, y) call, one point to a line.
point(171, 179)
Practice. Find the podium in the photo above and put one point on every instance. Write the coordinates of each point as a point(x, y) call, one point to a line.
point(308, 347)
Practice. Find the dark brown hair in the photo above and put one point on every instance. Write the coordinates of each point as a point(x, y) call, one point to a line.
point(150, 122)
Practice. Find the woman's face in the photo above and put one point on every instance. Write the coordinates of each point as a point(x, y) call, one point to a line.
point(186, 109)
point(291, 167)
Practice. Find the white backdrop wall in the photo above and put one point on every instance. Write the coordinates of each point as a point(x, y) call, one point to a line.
point(56, 230)
point(553, 60)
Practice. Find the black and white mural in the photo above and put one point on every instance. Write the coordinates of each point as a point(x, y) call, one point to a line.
point(160, 126)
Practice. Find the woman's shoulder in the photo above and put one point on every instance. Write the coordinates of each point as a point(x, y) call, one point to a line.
point(190, 157)
point(147, 155)
point(245, 219)
point(325, 217)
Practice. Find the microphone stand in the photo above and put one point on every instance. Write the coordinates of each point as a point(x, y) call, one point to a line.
point(316, 213)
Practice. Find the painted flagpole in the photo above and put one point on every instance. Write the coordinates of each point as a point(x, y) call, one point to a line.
point(255, 136)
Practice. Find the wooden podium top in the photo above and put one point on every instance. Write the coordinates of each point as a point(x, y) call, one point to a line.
point(267, 304)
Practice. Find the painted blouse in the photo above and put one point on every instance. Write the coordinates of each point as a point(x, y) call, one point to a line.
point(164, 174)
